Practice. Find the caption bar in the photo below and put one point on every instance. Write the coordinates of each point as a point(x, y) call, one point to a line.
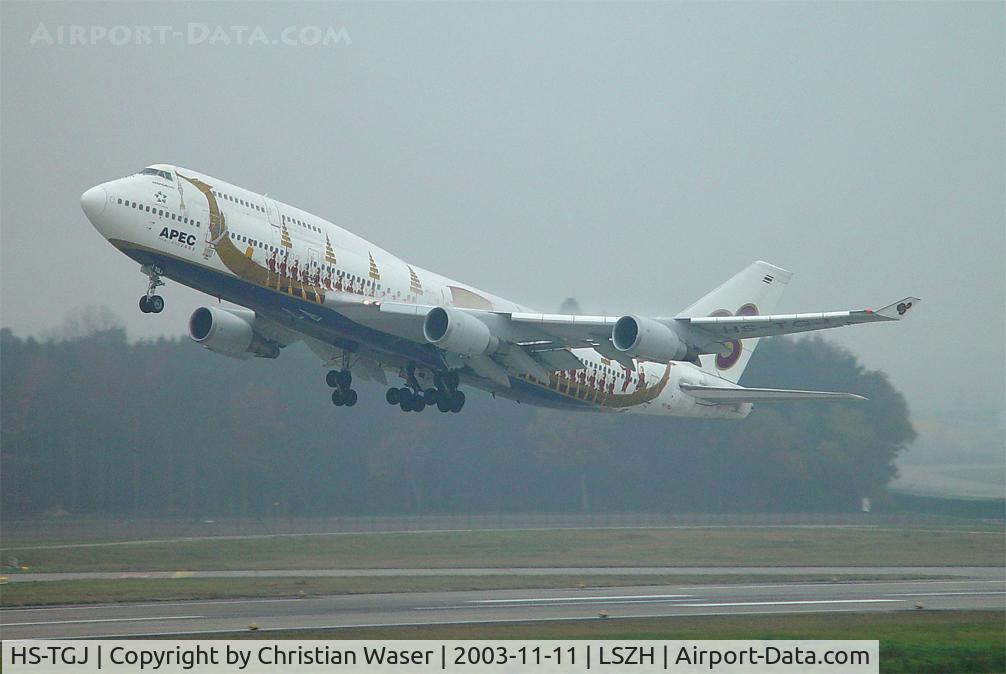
point(559, 657)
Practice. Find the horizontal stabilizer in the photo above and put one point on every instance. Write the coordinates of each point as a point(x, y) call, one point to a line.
point(724, 394)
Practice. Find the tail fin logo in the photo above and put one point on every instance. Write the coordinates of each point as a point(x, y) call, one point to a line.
point(725, 362)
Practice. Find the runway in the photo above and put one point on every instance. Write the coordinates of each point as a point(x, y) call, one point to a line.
point(425, 608)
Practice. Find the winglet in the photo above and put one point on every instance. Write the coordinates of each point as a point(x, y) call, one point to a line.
point(898, 310)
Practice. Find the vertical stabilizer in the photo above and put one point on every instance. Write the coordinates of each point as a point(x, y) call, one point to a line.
point(755, 290)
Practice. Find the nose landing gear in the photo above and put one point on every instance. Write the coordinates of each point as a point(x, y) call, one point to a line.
point(151, 303)
point(341, 381)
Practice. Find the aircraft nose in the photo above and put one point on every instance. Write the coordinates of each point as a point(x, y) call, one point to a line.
point(93, 202)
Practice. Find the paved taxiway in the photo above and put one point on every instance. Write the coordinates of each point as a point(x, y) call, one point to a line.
point(984, 591)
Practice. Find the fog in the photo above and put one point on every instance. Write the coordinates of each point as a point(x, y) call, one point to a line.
point(632, 156)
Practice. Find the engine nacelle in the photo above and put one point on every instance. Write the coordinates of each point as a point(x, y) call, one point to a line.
point(230, 332)
point(647, 339)
point(458, 332)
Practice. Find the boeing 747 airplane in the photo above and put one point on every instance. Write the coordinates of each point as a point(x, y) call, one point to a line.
point(364, 312)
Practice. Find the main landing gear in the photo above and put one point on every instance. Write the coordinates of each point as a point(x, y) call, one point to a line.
point(151, 303)
point(412, 398)
point(341, 380)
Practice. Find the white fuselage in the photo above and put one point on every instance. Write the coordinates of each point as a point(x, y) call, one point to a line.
point(165, 216)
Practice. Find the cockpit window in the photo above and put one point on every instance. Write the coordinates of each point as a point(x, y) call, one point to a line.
point(156, 172)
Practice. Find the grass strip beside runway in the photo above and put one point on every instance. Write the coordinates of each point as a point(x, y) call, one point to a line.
point(709, 547)
point(920, 641)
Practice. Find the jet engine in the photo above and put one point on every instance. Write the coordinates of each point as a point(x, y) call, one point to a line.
point(647, 339)
point(458, 332)
point(230, 332)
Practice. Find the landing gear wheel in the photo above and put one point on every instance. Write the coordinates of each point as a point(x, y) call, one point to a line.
point(457, 401)
point(341, 378)
point(418, 404)
point(430, 396)
point(350, 397)
point(443, 405)
point(151, 303)
point(392, 396)
point(405, 402)
point(337, 398)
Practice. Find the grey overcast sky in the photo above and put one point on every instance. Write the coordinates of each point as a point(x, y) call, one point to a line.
point(630, 155)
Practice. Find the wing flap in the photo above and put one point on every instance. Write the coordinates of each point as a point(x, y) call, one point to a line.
point(565, 329)
point(559, 359)
point(516, 360)
point(724, 394)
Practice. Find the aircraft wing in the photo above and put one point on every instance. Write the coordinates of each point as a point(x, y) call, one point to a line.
point(538, 343)
point(723, 394)
point(724, 328)
point(706, 334)
point(561, 330)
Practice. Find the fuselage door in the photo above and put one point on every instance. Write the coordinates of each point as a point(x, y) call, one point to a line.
point(272, 211)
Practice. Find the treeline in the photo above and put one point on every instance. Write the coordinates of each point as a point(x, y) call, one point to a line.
point(96, 425)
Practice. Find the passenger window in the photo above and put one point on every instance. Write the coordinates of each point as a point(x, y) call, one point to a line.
point(120, 201)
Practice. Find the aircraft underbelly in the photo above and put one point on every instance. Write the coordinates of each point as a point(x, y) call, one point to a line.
point(329, 326)
point(311, 319)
